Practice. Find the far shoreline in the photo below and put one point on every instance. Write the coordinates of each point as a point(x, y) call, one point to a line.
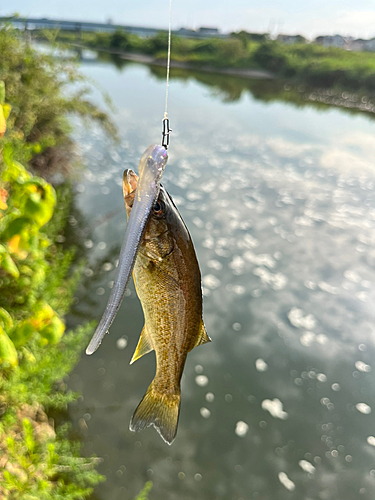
point(336, 98)
point(254, 74)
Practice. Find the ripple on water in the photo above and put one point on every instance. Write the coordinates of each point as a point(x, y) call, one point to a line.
point(306, 466)
point(201, 380)
point(286, 482)
point(275, 408)
point(241, 428)
point(260, 259)
point(210, 397)
point(297, 319)
point(210, 281)
point(121, 343)
point(215, 264)
point(237, 265)
point(205, 412)
point(362, 367)
point(363, 408)
point(261, 365)
point(277, 281)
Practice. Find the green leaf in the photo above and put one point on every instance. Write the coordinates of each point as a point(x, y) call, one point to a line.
point(8, 353)
point(40, 204)
point(3, 123)
point(27, 355)
point(6, 320)
point(7, 263)
point(17, 226)
point(29, 435)
point(53, 331)
point(144, 493)
point(2, 92)
point(7, 108)
point(22, 333)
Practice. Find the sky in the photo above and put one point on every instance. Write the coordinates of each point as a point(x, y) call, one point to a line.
point(309, 18)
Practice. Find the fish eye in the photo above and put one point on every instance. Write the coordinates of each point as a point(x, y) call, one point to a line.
point(159, 208)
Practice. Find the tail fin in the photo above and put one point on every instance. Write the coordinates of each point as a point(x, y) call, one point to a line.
point(159, 410)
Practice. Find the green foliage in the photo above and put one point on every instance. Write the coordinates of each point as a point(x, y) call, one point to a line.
point(119, 40)
point(254, 37)
point(36, 466)
point(41, 368)
point(8, 353)
point(43, 92)
point(37, 287)
point(25, 253)
point(271, 56)
point(143, 495)
point(312, 64)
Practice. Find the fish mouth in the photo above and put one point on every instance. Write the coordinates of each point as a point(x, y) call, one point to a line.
point(129, 182)
point(129, 186)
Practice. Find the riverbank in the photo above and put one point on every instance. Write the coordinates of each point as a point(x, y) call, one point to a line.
point(308, 64)
point(232, 83)
point(254, 74)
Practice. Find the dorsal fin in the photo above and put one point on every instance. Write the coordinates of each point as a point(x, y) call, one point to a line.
point(202, 338)
point(144, 346)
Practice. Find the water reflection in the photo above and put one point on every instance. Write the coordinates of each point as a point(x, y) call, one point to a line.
point(280, 204)
point(231, 89)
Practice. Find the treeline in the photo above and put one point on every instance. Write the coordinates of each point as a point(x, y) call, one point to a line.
point(311, 64)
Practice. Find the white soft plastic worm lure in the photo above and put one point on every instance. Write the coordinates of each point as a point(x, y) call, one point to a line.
point(151, 169)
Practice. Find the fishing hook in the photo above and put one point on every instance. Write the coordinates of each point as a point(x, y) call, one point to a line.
point(166, 133)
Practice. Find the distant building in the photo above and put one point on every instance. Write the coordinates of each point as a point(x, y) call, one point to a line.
point(186, 32)
point(291, 39)
point(256, 37)
point(208, 31)
point(358, 45)
point(332, 41)
point(370, 45)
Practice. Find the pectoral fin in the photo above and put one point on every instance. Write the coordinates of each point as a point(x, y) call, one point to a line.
point(144, 346)
point(202, 338)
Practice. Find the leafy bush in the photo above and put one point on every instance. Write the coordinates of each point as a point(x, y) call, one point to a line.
point(37, 282)
point(119, 40)
point(271, 56)
point(40, 91)
point(36, 289)
point(37, 466)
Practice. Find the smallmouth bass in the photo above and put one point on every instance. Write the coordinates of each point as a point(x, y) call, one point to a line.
point(168, 284)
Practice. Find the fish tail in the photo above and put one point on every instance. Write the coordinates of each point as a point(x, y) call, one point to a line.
point(160, 410)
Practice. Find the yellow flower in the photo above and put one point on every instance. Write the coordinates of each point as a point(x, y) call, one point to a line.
point(3, 124)
point(3, 199)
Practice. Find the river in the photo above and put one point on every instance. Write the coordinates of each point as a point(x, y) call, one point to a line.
point(279, 198)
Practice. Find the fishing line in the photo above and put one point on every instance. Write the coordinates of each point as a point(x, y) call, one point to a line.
point(166, 129)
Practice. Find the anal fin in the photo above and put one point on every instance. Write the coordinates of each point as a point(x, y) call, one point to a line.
point(202, 338)
point(144, 346)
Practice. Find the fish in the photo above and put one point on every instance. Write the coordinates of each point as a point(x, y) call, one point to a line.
point(168, 284)
point(151, 168)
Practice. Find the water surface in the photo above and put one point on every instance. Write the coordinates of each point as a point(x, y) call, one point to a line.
point(279, 200)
